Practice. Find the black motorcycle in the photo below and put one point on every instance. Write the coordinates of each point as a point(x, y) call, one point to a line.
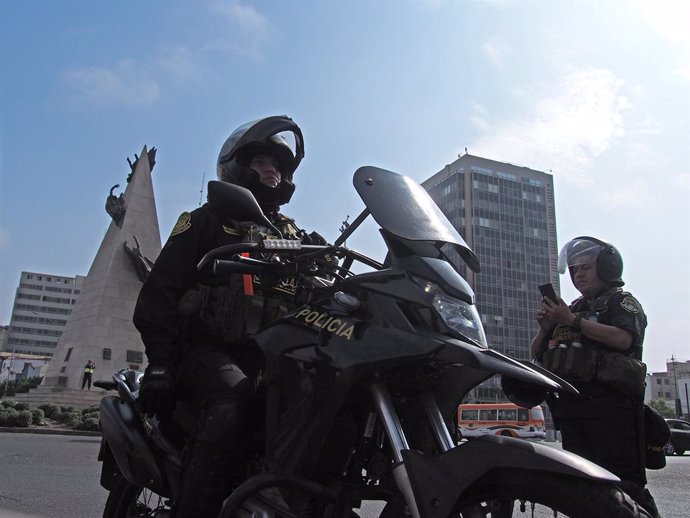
point(360, 387)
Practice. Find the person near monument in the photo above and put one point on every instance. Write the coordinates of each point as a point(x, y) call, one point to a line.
point(595, 343)
point(89, 369)
point(197, 331)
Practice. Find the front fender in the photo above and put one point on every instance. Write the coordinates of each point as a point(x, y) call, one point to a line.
point(129, 446)
point(438, 481)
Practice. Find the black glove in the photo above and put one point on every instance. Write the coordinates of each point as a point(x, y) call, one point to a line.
point(157, 390)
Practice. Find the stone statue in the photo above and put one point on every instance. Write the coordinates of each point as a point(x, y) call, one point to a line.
point(142, 265)
point(115, 205)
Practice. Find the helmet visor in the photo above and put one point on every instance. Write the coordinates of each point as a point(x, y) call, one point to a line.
point(577, 251)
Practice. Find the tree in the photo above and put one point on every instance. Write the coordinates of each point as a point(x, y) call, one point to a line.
point(660, 406)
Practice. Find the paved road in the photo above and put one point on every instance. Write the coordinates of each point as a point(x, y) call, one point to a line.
point(57, 476)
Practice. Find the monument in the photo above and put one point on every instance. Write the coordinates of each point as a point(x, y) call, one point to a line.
point(100, 327)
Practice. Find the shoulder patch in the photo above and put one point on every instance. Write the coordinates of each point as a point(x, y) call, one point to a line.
point(184, 222)
point(630, 305)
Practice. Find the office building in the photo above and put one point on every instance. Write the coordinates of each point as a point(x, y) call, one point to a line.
point(506, 213)
point(42, 305)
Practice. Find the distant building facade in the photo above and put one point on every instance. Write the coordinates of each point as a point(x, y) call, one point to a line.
point(506, 213)
point(42, 304)
point(672, 386)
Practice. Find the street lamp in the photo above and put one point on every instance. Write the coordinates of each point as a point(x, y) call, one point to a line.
point(679, 410)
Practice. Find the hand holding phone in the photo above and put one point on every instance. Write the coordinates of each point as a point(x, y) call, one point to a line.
point(547, 291)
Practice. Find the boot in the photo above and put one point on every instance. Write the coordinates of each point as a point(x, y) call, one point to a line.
point(205, 482)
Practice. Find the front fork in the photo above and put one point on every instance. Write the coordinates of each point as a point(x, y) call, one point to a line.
point(383, 402)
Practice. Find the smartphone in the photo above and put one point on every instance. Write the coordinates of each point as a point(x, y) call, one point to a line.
point(547, 291)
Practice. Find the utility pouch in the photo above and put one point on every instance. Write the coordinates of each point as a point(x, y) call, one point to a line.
point(622, 372)
point(193, 301)
point(580, 364)
point(228, 311)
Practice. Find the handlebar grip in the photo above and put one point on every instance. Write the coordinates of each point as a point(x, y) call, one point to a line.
point(221, 266)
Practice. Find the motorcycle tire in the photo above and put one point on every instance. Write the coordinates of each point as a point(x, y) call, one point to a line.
point(127, 500)
point(513, 493)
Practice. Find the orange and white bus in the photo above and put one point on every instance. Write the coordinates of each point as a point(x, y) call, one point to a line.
point(506, 419)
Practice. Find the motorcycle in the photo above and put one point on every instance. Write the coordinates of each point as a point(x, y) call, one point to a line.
point(360, 386)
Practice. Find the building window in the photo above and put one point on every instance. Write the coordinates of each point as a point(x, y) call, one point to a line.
point(106, 353)
point(135, 356)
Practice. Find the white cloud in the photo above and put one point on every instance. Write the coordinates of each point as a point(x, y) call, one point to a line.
point(670, 19)
point(478, 118)
point(565, 129)
point(181, 64)
point(682, 181)
point(496, 52)
point(635, 195)
point(250, 29)
point(128, 82)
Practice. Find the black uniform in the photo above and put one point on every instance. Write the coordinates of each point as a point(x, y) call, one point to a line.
point(199, 327)
point(604, 422)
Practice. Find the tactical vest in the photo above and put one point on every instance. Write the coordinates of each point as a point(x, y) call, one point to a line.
point(578, 359)
point(245, 304)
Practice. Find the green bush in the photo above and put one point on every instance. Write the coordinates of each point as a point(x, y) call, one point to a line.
point(21, 419)
point(50, 410)
point(90, 412)
point(72, 418)
point(89, 423)
point(37, 416)
point(21, 406)
point(7, 404)
point(14, 418)
point(5, 414)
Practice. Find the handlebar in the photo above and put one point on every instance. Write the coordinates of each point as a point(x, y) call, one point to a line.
point(284, 247)
point(236, 265)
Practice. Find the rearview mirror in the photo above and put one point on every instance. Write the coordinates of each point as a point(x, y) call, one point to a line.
point(235, 202)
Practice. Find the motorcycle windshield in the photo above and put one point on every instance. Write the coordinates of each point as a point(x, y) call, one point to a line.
point(402, 207)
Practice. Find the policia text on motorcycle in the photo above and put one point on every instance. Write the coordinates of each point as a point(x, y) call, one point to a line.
point(596, 344)
point(197, 329)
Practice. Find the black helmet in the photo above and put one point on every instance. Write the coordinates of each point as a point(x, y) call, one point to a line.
point(608, 258)
point(262, 136)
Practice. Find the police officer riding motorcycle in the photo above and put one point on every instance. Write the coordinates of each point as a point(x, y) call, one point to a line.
point(196, 327)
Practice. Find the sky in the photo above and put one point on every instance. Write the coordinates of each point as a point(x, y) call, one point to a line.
point(595, 92)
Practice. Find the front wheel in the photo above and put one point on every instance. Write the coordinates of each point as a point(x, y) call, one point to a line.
point(127, 500)
point(512, 493)
point(525, 493)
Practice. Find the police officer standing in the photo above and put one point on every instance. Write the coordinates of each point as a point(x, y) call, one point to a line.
point(197, 329)
point(596, 344)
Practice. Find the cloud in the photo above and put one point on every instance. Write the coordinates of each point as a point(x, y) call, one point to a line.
point(128, 82)
point(181, 64)
point(565, 129)
point(496, 52)
point(635, 195)
point(682, 181)
point(670, 18)
point(250, 30)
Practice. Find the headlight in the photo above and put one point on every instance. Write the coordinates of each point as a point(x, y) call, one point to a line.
point(460, 317)
point(457, 314)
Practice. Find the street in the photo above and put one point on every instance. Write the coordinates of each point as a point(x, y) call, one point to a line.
point(57, 476)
